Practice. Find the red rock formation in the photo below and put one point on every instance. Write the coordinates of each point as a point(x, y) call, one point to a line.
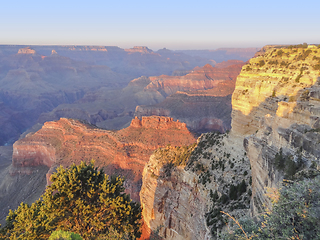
point(122, 152)
point(202, 99)
point(207, 77)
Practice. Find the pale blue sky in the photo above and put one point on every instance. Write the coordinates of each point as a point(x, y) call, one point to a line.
point(158, 24)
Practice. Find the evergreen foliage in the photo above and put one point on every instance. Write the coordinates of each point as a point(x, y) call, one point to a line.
point(81, 199)
point(64, 235)
point(295, 215)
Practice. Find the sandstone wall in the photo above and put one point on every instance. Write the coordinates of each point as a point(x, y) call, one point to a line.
point(185, 201)
point(276, 106)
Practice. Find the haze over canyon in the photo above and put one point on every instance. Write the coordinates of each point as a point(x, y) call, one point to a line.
point(193, 132)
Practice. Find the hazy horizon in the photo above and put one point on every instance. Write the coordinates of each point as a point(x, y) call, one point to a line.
point(178, 25)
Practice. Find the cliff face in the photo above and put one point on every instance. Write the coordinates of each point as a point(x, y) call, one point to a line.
point(274, 135)
point(185, 189)
point(276, 105)
point(120, 152)
point(163, 185)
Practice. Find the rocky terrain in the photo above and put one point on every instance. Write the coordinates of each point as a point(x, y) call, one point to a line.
point(274, 135)
point(276, 102)
point(186, 187)
point(184, 199)
point(123, 152)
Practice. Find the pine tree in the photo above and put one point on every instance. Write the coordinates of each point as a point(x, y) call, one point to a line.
point(81, 199)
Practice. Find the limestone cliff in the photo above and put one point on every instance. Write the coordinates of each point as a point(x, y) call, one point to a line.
point(185, 189)
point(276, 105)
point(274, 135)
point(122, 152)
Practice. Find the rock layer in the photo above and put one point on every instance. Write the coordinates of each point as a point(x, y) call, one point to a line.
point(275, 120)
point(201, 99)
point(184, 199)
point(276, 106)
point(122, 152)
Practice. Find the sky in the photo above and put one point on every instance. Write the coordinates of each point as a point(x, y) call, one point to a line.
point(170, 24)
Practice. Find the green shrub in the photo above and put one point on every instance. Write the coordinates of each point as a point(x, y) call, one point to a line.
point(80, 199)
point(214, 196)
point(280, 52)
point(64, 235)
point(248, 68)
point(261, 63)
point(275, 62)
point(295, 215)
point(279, 160)
point(316, 66)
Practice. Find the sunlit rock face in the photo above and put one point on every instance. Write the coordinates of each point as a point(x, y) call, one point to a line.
point(275, 109)
point(276, 106)
point(26, 50)
point(174, 204)
point(183, 199)
point(122, 152)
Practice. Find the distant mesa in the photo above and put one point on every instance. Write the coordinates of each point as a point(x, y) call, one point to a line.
point(54, 52)
point(26, 50)
point(137, 49)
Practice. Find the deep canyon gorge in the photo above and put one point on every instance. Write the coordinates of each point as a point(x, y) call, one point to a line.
point(145, 128)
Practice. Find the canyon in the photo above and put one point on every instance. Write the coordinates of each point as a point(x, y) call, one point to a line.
point(123, 152)
point(189, 186)
point(204, 95)
point(44, 83)
point(201, 98)
point(186, 186)
point(274, 136)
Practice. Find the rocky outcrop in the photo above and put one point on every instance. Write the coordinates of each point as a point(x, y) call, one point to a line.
point(275, 134)
point(121, 152)
point(139, 49)
point(26, 50)
point(275, 104)
point(168, 200)
point(185, 189)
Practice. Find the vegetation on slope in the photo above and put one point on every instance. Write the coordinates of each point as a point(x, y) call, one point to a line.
point(224, 175)
point(295, 215)
point(81, 199)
